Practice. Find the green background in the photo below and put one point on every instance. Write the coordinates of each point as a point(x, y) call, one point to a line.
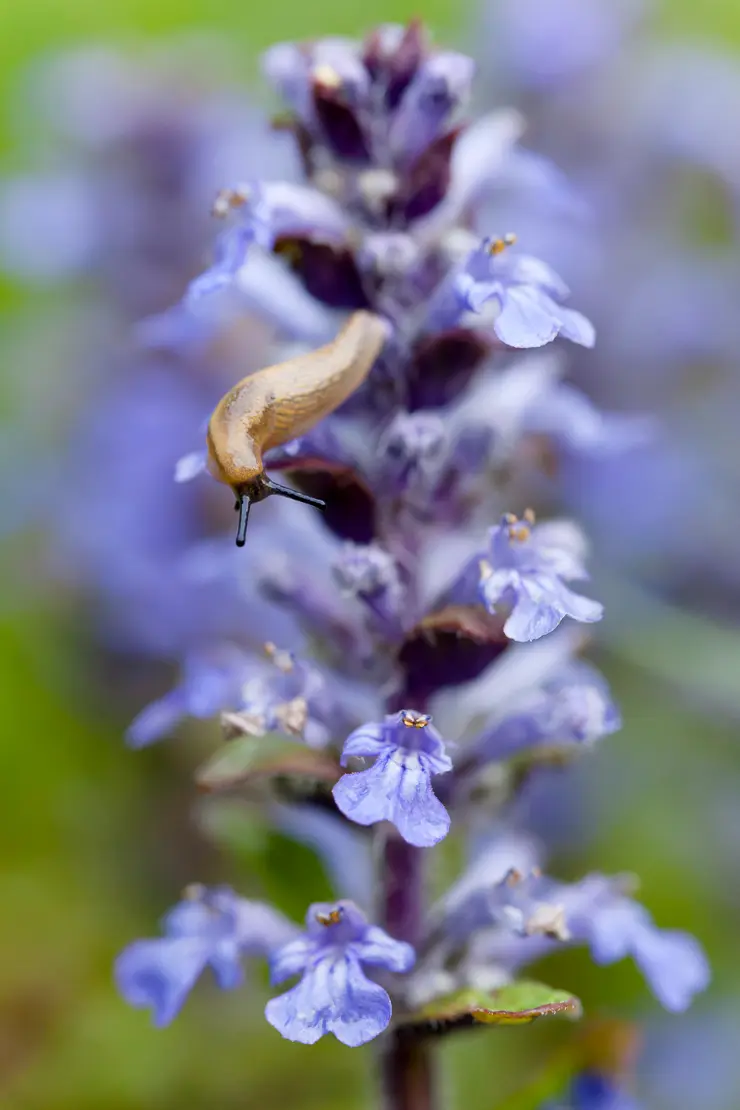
point(96, 839)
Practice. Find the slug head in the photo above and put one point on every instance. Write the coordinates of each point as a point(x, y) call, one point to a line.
point(235, 465)
point(260, 488)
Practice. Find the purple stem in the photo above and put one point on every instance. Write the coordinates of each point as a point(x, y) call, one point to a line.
point(406, 1065)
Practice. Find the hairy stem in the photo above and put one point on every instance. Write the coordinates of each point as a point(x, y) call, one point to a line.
point(406, 1065)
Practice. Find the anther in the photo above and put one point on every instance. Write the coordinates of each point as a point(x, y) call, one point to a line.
point(293, 715)
point(283, 660)
point(227, 200)
point(498, 246)
point(326, 77)
point(415, 720)
point(333, 917)
point(548, 921)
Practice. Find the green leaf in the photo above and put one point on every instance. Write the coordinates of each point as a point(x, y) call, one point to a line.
point(516, 1004)
point(249, 759)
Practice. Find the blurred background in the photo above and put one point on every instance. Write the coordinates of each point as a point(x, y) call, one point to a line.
point(119, 122)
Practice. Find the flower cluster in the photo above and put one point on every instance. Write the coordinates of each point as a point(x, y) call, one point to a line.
point(422, 590)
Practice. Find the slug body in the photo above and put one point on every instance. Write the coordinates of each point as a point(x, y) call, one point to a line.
point(281, 402)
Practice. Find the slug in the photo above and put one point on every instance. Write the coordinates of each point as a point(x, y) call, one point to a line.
point(282, 402)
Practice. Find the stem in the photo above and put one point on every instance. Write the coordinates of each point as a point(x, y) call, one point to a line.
point(406, 1074)
point(406, 1065)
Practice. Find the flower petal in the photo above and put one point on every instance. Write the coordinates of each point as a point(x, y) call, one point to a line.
point(533, 616)
point(190, 466)
point(156, 720)
point(479, 155)
point(580, 608)
point(291, 959)
point(335, 997)
point(674, 965)
point(526, 319)
point(376, 947)
point(160, 973)
point(230, 251)
point(397, 789)
point(368, 740)
point(576, 327)
point(226, 965)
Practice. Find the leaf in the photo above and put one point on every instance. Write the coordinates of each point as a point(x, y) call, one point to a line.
point(233, 824)
point(516, 1004)
point(251, 758)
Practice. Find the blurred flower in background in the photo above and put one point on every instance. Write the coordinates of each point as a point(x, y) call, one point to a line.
point(638, 124)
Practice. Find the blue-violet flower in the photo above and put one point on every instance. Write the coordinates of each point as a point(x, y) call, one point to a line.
point(209, 927)
point(527, 569)
point(407, 750)
point(334, 995)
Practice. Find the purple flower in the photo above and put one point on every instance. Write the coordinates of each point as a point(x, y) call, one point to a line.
point(523, 292)
point(539, 913)
point(291, 696)
point(301, 72)
point(367, 572)
point(526, 569)
point(414, 451)
point(211, 927)
point(440, 86)
point(407, 751)
point(573, 706)
point(209, 683)
point(672, 961)
point(334, 995)
point(266, 211)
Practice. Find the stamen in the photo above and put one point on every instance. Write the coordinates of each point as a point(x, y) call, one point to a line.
point(283, 660)
point(415, 720)
point(519, 533)
point(548, 921)
point(513, 877)
point(227, 200)
point(293, 715)
point(484, 569)
point(326, 77)
point(333, 917)
point(498, 246)
point(529, 516)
